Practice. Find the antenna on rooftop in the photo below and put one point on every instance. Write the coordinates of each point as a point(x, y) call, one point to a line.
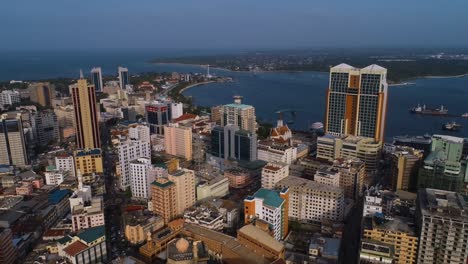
point(81, 74)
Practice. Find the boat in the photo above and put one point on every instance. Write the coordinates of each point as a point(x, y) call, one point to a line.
point(451, 126)
point(423, 110)
point(317, 126)
point(465, 115)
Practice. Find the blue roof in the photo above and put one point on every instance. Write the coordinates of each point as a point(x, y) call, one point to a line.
point(92, 234)
point(270, 197)
point(58, 195)
point(64, 240)
point(242, 106)
point(84, 152)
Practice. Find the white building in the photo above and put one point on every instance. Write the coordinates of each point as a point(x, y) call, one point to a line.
point(53, 176)
point(328, 175)
point(9, 97)
point(177, 109)
point(141, 176)
point(65, 163)
point(206, 217)
point(312, 201)
point(272, 173)
point(128, 151)
point(372, 205)
point(215, 188)
point(139, 132)
point(276, 153)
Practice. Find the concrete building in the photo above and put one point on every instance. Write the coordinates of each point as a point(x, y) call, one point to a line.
point(240, 115)
point(157, 115)
point(206, 217)
point(66, 120)
point(88, 161)
point(88, 246)
point(324, 249)
point(186, 251)
point(272, 173)
point(328, 176)
point(443, 168)
point(372, 205)
point(238, 177)
point(215, 188)
point(96, 78)
point(259, 241)
point(12, 141)
point(8, 98)
point(124, 78)
point(139, 132)
point(53, 176)
point(86, 114)
point(178, 141)
point(141, 177)
point(138, 224)
point(312, 201)
point(442, 224)
point(368, 150)
point(271, 206)
point(128, 151)
point(374, 252)
point(184, 180)
point(46, 127)
point(274, 152)
point(164, 199)
point(231, 143)
point(42, 93)
point(177, 110)
point(352, 176)
point(357, 101)
point(65, 162)
point(405, 163)
point(8, 253)
point(397, 232)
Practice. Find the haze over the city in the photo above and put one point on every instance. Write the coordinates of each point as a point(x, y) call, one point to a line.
point(222, 24)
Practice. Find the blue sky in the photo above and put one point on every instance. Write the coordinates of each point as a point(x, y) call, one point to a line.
point(226, 24)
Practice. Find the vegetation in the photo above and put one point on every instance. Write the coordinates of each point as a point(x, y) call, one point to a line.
point(263, 131)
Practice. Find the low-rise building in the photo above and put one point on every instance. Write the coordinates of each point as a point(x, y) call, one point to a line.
point(208, 217)
point(238, 177)
point(259, 241)
point(186, 251)
point(215, 188)
point(138, 224)
point(88, 246)
point(88, 161)
point(324, 249)
point(53, 176)
point(270, 151)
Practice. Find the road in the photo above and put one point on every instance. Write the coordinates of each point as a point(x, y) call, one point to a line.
point(352, 235)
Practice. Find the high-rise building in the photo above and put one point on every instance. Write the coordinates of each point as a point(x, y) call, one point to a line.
point(238, 114)
point(8, 251)
point(368, 150)
point(8, 98)
point(270, 151)
point(42, 93)
point(124, 79)
point(272, 173)
point(96, 79)
point(65, 162)
point(184, 180)
point(231, 143)
point(88, 161)
point(313, 201)
point(352, 176)
point(164, 199)
point(86, 114)
point(12, 141)
point(176, 110)
point(357, 101)
point(444, 168)
point(442, 224)
point(139, 132)
point(157, 115)
point(178, 141)
point(405, 162)
point(46, 127)
point(128, 151)
point(270, 206)
point(142, 175)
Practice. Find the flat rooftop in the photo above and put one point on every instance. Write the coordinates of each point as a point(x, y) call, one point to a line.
point(297, 182)
point(261, 236)
point(445, 204)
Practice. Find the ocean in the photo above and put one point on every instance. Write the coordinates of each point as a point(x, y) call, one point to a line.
point(301, 94)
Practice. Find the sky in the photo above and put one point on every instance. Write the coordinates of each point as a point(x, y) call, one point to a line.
point(230, 24)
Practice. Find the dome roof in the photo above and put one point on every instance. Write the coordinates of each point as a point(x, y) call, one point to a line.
point(182, 245)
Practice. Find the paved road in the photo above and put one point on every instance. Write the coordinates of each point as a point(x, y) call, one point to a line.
point(352, 236)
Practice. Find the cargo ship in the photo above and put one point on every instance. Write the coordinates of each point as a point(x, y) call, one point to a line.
point(451, 126)
point(423, 110)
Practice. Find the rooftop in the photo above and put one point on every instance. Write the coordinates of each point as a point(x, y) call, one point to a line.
point(85, 152)
point(92, 234)
point(162, 184)
point(270, 197)
point(448, 138)
point(444, 204)
point(75, 248)
point(56, 196)
point(293, 181)
point(261, 236)
point(240, 106)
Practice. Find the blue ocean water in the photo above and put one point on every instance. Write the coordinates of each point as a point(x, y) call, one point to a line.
point(269, 92)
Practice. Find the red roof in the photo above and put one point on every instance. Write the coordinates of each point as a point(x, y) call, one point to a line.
point(75, 248)
point(184, 117)
point(54, 233)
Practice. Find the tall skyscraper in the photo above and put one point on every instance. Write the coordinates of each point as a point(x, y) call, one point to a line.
point(123, 77)
point(442, 224)
point(157, 115)
point(96, 78)
point(12, 141)
point(86, 114)
point(178, 141)
point(42, 93)
point(239, 114)
point(357, 101)
point(231, 143)
point(45, 127)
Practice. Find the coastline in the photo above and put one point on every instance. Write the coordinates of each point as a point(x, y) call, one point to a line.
point(193, 85)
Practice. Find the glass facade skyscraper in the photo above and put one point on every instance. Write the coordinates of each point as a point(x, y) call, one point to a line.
point(96, 76)
point(123, 77)
point(231, 143)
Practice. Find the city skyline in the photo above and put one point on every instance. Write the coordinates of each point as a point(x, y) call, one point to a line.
point(262, 24)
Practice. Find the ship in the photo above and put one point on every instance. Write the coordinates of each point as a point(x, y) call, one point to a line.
point(451, 126)
point(423, 110)
point(465, 115)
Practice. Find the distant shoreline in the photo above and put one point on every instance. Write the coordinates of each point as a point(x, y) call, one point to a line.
point(194, 85)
